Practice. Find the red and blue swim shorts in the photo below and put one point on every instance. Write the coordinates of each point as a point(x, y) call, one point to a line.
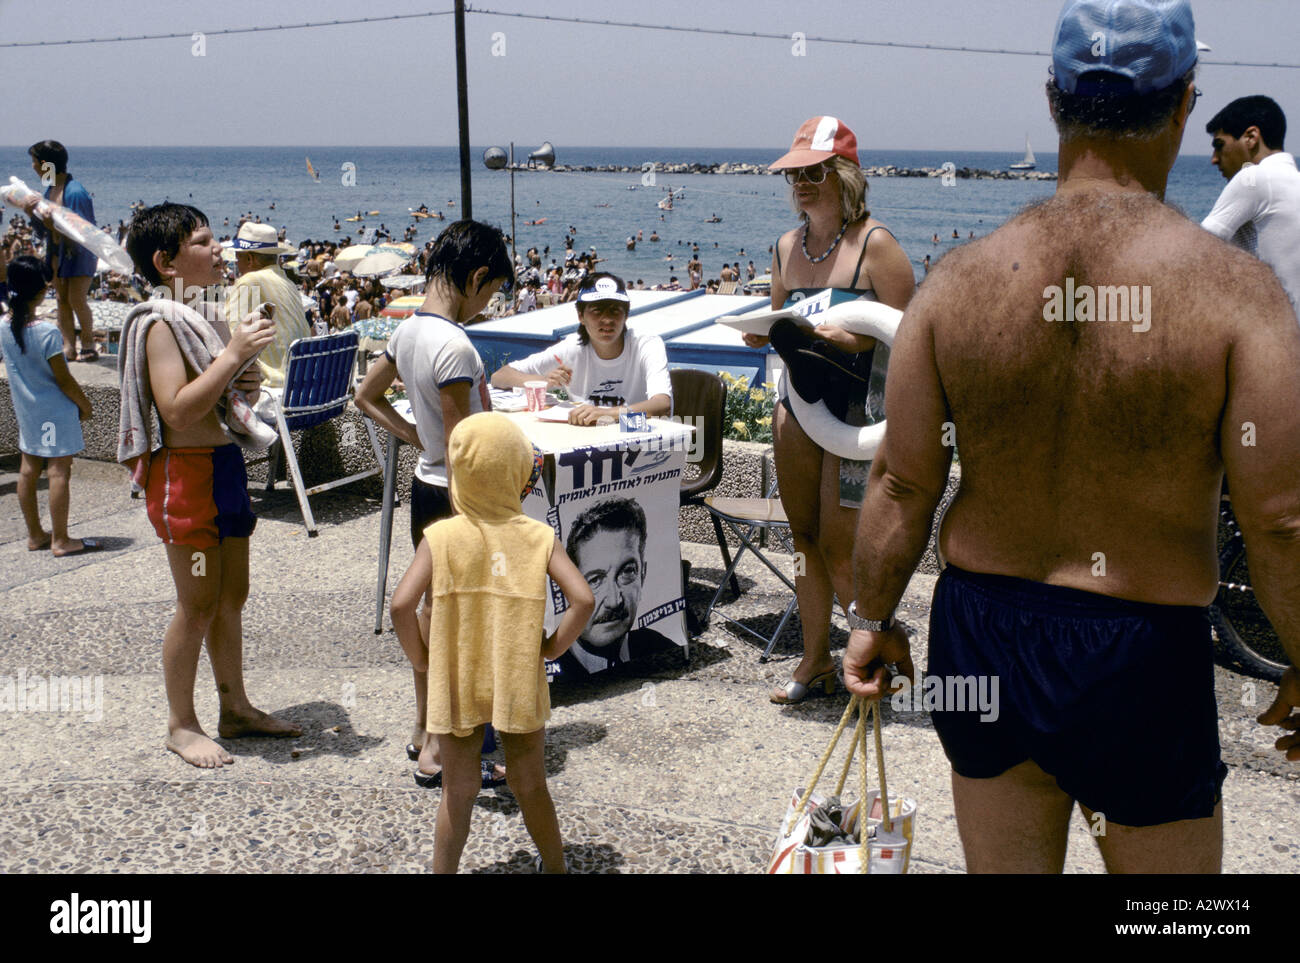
point(199, 496)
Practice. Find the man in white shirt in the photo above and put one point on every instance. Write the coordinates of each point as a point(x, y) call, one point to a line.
point(605, 365)
point(1259, 210)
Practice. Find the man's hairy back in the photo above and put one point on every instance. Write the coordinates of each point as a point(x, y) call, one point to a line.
point(1089, 448)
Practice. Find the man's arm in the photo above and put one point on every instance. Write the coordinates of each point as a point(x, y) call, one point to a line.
point(371, 402)
point(908, 478)
point(658, 382)
point(541, 365)
point(1260, 445)
point(1242, 200)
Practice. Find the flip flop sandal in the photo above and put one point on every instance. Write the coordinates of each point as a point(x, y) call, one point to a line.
point(88, 356)
point(428, 780)
point(87, 545)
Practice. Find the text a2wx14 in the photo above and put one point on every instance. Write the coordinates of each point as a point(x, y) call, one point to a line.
point(1184, 905)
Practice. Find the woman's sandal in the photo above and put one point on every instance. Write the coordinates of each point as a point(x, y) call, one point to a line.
point(487, 773)
point(428, 780)
point(796, 691)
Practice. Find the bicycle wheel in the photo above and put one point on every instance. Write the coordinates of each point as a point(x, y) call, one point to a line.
point(1241, 625)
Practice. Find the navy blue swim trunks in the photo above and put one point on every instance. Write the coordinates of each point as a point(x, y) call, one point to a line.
point(1114, 698)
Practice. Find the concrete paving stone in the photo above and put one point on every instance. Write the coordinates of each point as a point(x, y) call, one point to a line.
point(669, 766)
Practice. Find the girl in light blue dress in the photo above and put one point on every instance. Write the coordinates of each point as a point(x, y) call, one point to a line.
point(49, 407)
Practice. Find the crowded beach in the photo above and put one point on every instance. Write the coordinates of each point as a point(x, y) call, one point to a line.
point(1031, 446)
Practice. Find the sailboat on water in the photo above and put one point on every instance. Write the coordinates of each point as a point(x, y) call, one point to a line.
point(1028, 162)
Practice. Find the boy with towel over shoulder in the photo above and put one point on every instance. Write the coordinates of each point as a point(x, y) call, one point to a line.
point(181, 361)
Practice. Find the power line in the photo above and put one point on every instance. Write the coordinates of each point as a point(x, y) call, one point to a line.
point(837, 40)
point(707, 31)
point(217, 33)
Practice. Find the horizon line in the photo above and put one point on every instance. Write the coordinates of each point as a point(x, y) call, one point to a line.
point(896, 150)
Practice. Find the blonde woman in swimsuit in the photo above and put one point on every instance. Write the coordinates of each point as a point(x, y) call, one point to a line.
point(837, 245)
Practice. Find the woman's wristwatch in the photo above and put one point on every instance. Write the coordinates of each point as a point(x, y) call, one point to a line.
point(869, 625)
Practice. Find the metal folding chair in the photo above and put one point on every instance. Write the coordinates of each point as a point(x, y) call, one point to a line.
point(748, 518)
point(700, 398)
point(317, 388)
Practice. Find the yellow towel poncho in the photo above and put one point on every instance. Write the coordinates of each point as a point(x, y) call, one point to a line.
point(489, 588)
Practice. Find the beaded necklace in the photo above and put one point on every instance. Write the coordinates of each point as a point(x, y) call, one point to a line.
point(803, 243)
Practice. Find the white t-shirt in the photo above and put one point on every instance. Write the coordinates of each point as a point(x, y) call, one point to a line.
point(638, 374)
point(1259, 211)
point(432, 353)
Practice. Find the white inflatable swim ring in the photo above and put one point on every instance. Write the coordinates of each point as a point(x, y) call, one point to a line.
point(874, 320)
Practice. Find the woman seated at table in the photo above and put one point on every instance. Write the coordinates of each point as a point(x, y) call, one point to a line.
point(605, 367)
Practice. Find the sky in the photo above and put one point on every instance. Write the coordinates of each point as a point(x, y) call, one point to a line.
point(393, 83)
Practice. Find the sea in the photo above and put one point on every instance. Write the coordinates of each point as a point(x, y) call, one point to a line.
point(602, 209)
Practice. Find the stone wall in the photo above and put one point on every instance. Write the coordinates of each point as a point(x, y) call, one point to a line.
point(342, 447)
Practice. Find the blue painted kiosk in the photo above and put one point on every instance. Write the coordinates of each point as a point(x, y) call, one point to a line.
point(669, 314)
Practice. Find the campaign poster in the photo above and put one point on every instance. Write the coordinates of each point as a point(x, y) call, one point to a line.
point(614, 508)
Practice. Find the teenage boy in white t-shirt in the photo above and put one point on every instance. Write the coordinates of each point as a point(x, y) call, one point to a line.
point(606, 366)
point(445, 383)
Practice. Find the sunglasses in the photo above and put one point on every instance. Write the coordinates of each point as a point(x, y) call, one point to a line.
point(815, 174)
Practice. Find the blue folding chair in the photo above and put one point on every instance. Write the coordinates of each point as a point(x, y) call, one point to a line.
point(317, 388)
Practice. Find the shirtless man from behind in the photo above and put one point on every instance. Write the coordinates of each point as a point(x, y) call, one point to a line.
point(1080, 548)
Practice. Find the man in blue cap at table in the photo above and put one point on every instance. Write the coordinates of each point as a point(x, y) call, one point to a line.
point(1103, 363)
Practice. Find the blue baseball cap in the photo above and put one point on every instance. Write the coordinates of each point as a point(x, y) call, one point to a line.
point(1122, 46)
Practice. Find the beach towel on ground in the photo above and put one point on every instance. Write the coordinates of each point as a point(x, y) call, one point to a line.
point(200, 342)
point(489, 588)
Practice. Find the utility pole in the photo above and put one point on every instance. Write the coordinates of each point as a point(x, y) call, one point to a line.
point(462, 106)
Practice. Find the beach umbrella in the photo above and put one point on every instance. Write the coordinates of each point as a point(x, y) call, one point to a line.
point(381, 260)
point(347, 258)
point(411, 281)
point(403, 307)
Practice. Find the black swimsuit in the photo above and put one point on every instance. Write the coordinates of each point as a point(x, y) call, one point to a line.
point(861, 362)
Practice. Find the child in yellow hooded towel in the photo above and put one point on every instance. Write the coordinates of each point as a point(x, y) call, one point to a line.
point(488, 567)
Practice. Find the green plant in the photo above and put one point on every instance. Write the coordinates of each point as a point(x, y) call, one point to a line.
point(749, 409)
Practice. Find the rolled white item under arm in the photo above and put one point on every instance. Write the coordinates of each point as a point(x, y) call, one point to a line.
point(875, 320)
